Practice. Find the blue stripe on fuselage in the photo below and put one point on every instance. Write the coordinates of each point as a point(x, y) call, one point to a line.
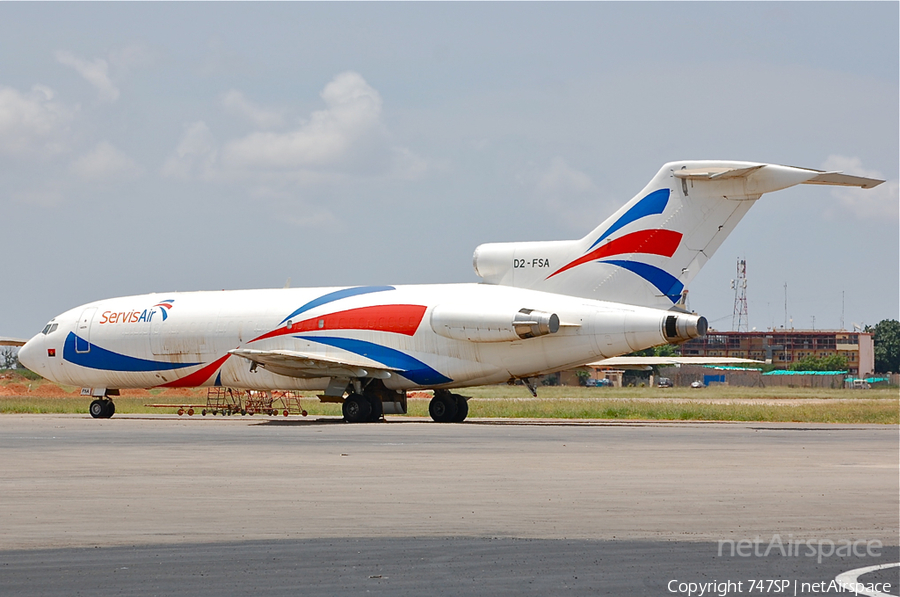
point(410, 368)
point(336, 295)
point(107, 360)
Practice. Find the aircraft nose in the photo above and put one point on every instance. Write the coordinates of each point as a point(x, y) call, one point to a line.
point(29, 354)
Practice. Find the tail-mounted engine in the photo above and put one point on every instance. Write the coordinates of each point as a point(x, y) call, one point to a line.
point(491, 324)
point(681, 328)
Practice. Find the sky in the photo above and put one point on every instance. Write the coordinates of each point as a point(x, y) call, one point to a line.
point(154, 147)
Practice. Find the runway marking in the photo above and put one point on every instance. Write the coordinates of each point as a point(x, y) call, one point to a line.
point(849, 581)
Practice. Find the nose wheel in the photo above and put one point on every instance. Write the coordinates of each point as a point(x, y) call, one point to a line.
point(102, 409)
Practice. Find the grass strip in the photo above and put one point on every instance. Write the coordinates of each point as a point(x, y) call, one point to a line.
point(880, 411)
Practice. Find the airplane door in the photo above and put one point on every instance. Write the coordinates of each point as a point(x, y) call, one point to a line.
point(83, 330)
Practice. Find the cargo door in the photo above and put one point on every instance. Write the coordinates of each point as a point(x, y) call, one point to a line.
point(83, 330)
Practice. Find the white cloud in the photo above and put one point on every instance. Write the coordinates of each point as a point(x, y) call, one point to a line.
point(96, 73)
point(196, 154)
point(561, 179)
point(566, 194)
point(105, 162)
point(880, 202)
point(346, 140)
point(408, 166)
point(336, 137)
point(33, 121)
point(236, 103)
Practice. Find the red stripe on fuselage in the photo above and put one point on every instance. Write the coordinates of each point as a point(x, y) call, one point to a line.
point(197, 378)
point(397, 319)
point(654, 242)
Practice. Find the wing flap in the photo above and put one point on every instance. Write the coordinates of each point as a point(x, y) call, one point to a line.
point(309, 365)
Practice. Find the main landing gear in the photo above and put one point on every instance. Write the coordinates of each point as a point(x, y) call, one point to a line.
point(448, 408)
point(102, 408)
point(362, 408)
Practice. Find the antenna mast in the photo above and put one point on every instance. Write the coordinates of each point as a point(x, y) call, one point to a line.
point(740, 320)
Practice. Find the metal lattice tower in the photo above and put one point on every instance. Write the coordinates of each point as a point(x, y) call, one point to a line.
point(740, 320)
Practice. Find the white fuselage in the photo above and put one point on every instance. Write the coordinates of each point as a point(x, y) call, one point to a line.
point(185, 338)
point(544, 306)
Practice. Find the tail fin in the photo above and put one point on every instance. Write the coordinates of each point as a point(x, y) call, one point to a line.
point(649, 250)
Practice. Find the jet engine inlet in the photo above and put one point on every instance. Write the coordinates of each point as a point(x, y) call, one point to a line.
point(681, 328)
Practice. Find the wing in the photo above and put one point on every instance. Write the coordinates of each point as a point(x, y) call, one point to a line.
point(12, 341)
point(642, 362)
point(308, 365)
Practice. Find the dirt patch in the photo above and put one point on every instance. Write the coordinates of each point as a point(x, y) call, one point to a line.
point(179, 392)
point(13, 389)
point(134, 393)
point(49, 390)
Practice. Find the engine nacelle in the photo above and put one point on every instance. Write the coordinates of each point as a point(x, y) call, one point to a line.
point(491, 324)
point(683, 327)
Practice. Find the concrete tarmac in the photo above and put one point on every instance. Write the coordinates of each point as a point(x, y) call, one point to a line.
point(232, 506)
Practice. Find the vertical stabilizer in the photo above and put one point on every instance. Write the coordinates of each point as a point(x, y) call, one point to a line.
point(652, 247)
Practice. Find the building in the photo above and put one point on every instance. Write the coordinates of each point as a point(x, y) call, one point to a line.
point(784, 347)
point(594, 376)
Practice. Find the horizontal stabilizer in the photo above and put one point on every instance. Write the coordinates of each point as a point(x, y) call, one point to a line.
point(716, 173)
point(816, 176)
point(844, 180)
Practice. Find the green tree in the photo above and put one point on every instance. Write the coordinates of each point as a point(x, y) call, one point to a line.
point(583, 377)
point(834, 362)
point(9, 358)
point(886, 336)
point(666, 350)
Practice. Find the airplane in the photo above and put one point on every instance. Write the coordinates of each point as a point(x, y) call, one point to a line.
point(541, 307)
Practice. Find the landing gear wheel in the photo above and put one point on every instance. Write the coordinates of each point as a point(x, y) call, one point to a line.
point(377, 408)
point(102, 409)
point(442, 408)
point(356, 409)
point(462, 408)
point(97, 409)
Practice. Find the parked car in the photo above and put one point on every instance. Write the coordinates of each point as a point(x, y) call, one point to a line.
point(664, 382)
point(697, 384)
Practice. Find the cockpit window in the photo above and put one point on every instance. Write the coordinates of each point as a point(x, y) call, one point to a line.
point(49, 328)
point(46, 329)
point(53, 328)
